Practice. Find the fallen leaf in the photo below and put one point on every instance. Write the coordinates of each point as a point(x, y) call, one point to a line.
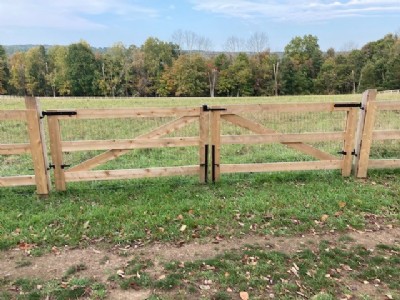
point(121, 273)
point(389, 296)
point(244, 295)
point(338, 213)
point(183, 228)
point(342, 204)
point(180, 217)
point(55, 250)
point(25, 246)
point(324, 218)
point(204, 287)
point(86, 225)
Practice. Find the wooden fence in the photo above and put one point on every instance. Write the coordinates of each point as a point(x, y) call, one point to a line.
point(115, 148)
point(36, 147)
point(297, 141)
point(367, 134)
point(353, 140)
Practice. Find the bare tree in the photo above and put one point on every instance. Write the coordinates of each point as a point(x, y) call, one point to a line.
point(191, 41)
point(203, 44)
point(349, 46)
point(258, 42)
point(276, 74)
point(212, 79)
point(234, 44)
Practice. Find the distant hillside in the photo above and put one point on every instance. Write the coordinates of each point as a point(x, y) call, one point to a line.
point(11, 49)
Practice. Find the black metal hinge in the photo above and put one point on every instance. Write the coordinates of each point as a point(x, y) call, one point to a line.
point(345, 153)
point(52, 166)
point(207, 108)
point(348, 105)
point(59, 113)
point(205, 164)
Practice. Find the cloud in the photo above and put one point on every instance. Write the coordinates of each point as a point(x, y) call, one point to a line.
point(68, 14)
point(298, 10)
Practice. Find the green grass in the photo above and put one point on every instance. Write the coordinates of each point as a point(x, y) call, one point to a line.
point(137, 212)
point(144, 211)
point(321, 273)
point(74, 288)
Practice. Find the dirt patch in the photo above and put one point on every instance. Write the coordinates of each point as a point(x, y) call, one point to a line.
point(103, 263)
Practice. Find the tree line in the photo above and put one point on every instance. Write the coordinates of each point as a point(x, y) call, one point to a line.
point(187, 68)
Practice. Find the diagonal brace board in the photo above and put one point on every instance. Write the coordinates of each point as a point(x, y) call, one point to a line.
point(115, 153)
point(257, 128)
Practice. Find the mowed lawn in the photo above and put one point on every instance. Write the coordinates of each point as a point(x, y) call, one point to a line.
point(180, 210)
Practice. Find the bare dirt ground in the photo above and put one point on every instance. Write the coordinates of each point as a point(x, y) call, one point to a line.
point(101, 262)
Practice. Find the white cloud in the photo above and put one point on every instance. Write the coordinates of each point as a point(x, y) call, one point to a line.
point(298, 10)
point(68, 14)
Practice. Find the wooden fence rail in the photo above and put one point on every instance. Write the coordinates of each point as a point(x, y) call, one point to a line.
point(368, 134)
point(354, 140)
point(36, 147)
point(297, 141)
point(115, 148)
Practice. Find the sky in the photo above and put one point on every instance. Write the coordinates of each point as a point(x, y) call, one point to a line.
point(340, 24)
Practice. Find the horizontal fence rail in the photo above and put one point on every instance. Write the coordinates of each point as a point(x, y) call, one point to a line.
point(297, 141)
point(117, 147)
point(344, 144)
point(35, 147)
point(369, 134)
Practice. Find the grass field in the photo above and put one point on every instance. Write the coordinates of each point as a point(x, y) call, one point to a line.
point(182, 211)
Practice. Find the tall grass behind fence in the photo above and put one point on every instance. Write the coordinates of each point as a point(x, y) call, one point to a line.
point(129, 128)
point(285, 123)
point(386, 149)
point(14, 132)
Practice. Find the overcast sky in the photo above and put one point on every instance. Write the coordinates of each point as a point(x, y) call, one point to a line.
point(337, 24)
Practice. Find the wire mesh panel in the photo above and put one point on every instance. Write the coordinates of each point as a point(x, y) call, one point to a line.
point(13, 133)
point(380, 141)
point(125, 129)
point(132, 143)
point(283, 137)
point(22, 152)
point(386, 144)
point(282, 123)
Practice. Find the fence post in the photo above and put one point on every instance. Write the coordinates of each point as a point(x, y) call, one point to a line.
point(204, 121)
point(366, 135)
point(360, 126)
point(216, 145)
point(38, 146)
point(350, 132)
point(56, 152)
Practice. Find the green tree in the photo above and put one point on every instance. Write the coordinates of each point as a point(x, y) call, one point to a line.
point(157, 56)
point(262, 71)
point(301, 64)
point(17, 74)
point(57, 77)
point(36, 69)
point(393, 68)
point(82, 70)
point(377, 54)
point(237, 79)
point(114, 68)
point(326, 81)
point(187, 77)
point(4, 71)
